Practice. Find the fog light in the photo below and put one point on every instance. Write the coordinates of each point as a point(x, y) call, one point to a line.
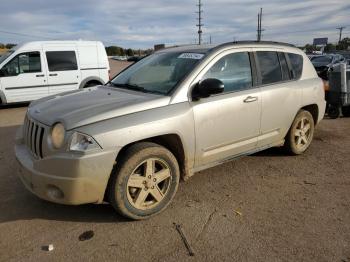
point(54, 192)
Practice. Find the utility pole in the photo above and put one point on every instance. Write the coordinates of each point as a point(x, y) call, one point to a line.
point(259, 30)
point(340, 32)
point(199, 25)
point(210, 39)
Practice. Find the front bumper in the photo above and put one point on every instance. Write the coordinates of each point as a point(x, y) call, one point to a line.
point(65, 178)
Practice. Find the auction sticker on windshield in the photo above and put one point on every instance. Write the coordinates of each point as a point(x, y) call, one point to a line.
point(191, 56)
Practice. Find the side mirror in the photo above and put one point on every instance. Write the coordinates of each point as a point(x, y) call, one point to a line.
point(207, 87)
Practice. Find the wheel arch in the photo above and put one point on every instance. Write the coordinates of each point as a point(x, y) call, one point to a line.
point(91, 79)
point(2, 98)
point(171, 141)
point(313, 110)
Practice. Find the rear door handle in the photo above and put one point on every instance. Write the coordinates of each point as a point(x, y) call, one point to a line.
point(250, 99)
point(40, 75)
point(52, 74)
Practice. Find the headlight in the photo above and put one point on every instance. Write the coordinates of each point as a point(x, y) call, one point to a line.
point(57, 135)
point(81, 142)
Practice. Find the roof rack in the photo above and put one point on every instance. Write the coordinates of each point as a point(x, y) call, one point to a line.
point(254, 42)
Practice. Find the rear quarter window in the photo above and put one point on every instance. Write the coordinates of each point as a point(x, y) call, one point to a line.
point(296, 62)
point(61, 60)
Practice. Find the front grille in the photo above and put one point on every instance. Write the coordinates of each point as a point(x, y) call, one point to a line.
point(33, 134)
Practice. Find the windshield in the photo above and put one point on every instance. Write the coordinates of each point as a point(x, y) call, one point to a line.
point(322, 59)
point(158, 73)
point(5, 55)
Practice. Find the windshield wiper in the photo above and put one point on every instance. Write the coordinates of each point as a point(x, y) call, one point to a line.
point(136, 87)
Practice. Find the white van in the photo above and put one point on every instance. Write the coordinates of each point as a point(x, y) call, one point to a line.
point(37, 69)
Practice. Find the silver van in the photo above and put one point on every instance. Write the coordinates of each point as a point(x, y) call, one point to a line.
point(175, 112)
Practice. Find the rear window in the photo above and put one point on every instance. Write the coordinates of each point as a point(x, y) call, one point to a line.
point(269, 67)
point(296, 62)
point(61, 60)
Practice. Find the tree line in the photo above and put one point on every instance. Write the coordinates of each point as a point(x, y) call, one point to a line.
point(111, 50)
point(6, 46)
point(344, 44)
point(119, 51)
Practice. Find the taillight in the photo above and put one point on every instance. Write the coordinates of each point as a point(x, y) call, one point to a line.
point(325, 85)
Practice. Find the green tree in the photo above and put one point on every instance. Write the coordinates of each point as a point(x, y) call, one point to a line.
point(114, 51)
point(344, 44)
point(9, 46)
point(129, 52)
point(309, 48)
point(329, 48)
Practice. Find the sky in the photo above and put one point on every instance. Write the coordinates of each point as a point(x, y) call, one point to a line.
point(141, 24)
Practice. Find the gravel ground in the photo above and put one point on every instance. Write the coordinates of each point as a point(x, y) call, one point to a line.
point(117, 66)
point(264, 207)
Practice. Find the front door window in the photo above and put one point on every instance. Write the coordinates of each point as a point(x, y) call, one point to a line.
point(23, 63)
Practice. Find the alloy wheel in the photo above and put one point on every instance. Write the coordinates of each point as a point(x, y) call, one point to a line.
point(149, 183)
point(302, 133)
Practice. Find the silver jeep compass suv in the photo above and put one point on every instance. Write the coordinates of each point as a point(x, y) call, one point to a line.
point(168, 116)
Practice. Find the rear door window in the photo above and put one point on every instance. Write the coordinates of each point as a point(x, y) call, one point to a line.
point(61, 60)
point(296, 62)
point(233, 70)
point(269, 67)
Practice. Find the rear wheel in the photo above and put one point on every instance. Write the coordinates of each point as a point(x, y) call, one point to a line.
point(145, 181)
point(346, 111)
point(300, 133)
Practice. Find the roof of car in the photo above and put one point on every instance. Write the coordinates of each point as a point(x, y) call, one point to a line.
point(37, 44)
point(207, 48)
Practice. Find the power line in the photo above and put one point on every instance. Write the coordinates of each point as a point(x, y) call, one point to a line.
point(26, 35)
point(199, 25)
point(300, 31)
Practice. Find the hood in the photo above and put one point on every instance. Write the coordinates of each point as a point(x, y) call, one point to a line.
point(86, 106)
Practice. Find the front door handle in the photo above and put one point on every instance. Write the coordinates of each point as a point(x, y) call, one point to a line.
point(40, 75)
point(52, 74)
point(250, 99)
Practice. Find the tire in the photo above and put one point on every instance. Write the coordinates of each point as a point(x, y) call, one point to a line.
point(346, 111)
point(299, 137)
point(333, 111)
point(153, 171)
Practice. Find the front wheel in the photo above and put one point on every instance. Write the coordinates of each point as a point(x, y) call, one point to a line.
point(300, 134)
point(145, 181)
